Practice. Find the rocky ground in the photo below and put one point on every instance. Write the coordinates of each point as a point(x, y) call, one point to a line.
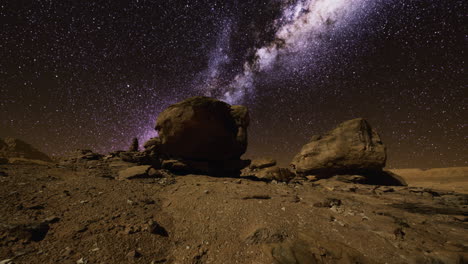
point(335, 204)
point(80, 213)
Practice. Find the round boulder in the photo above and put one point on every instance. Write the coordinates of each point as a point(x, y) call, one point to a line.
point(202, 128)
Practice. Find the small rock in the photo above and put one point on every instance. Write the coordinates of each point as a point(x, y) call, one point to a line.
point(134, 172)
point(147, 201)
point(399, 233)
point(311, 177)
point(131, 230)
point(329, 202)
point(266, 235)
point(158, 261)
point(257, 196)
point(262, 163)
point(275, 173)
point(206, 191)
point(133, 254)
point(386, 189)
point(67, 252)
point(155, 228)
point(82, 261)
point(6, 261)
point(52, 219)
point(82, 228)
point(155, 173)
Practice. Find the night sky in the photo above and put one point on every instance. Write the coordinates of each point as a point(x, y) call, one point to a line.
point(94, 74)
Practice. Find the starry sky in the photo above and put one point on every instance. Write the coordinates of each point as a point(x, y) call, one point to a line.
point(95, 74)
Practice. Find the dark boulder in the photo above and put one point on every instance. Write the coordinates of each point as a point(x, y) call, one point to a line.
point(202, 128)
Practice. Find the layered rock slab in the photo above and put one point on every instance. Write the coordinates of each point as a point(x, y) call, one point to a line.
point(352, 147)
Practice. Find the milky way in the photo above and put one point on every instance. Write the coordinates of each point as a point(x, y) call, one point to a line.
point(302, 26)
point(95, 75)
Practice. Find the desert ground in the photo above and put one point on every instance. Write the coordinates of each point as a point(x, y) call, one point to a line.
point(80, 213)
point(190, 197)
point(450, 179)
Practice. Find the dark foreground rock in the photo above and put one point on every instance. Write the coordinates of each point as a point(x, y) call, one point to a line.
point(202, 128)
point(200, 135)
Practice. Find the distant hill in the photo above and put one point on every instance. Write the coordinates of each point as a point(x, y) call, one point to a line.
point(16, 148)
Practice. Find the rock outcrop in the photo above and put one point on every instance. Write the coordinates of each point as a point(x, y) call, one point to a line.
point(352, 147)
point(266, 169)
point(81, 156)
point(275, 173)
point(16, 148)
point(262, 163)
point(134, 147)
point(201, 135)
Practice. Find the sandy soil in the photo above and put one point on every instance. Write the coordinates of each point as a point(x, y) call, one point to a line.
point(81, 214)
point(452, 179)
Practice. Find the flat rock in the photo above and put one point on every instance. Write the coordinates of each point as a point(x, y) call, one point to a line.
point(134, 172)
point(275, 173)
point(262, 163)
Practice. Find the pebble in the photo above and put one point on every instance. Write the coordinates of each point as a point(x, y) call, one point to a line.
point(52, 219)
point(82, 261)
point(133, 254)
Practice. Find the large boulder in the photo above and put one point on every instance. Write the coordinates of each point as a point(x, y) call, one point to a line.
point(352, 147)
point(16, 148)
point(202, 128)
